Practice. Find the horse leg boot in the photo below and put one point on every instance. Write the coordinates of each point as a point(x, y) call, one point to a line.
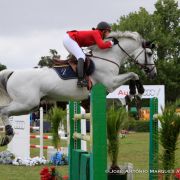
point(9, 133)
point(138, 97)
point(132, 92)
point(80, 72)
point(140, 88)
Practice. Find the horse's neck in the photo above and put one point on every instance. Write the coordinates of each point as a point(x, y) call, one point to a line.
point(129, 45)
point(115, 53)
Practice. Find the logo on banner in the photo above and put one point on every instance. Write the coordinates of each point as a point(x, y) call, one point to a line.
point(149, 92)
point(122, 93)
point(19, 125)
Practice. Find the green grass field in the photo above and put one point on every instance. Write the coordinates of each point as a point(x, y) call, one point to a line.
point(134, 148)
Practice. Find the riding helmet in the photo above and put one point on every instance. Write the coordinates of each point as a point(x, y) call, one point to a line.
point(103, 26)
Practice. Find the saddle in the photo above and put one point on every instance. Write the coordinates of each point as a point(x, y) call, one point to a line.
point(70, 66)
point(73, 63)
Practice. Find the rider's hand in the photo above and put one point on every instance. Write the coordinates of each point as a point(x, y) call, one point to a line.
point(115, 41)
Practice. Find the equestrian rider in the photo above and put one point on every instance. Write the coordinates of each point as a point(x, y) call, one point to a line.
point(74, 40)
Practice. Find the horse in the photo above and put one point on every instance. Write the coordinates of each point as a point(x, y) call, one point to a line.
point(22, 90)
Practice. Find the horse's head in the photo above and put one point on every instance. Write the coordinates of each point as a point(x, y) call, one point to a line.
point(137, 50)
point(143, 57)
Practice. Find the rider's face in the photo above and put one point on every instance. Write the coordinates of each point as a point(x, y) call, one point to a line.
point(106, 33)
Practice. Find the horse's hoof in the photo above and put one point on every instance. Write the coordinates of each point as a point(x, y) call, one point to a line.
point(6, 140)
point(9, 130)
point(138, 101)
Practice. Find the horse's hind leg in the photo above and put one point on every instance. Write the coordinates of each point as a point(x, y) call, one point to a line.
point(12, 109)
point(9, 133)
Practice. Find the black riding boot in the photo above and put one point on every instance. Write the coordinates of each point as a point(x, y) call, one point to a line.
point(80, 72)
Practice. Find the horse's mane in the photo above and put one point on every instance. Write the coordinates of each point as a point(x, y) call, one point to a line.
point(119, 34)
point(126, 34)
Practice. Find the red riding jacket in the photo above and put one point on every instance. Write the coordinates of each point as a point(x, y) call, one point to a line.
point(89, 38)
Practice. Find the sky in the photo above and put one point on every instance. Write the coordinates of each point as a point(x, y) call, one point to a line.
point(29, 28)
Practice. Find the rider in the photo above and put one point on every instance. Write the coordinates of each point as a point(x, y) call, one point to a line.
point(74, 40)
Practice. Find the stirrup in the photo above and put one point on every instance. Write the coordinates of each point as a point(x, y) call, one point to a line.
point(82, 83)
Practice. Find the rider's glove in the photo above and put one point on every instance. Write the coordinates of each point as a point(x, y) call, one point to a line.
point(115, 41)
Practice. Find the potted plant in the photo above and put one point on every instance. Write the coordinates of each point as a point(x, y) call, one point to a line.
point(116, 120)
point(57, 116)
point(169, 132)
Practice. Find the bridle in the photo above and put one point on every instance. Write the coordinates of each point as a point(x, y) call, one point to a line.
point(135, 61)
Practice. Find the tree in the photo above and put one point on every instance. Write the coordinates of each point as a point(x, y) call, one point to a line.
point(2, 67)
point(141, 22)
point(47, 60)
point(167, 29)
point(163, 26)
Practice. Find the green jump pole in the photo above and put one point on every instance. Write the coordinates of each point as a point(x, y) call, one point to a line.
point(98, 154)
point(74, 108)
point(153, 142)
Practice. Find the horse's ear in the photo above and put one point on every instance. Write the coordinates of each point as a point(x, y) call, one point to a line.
point(152, 46)
point(148, 44)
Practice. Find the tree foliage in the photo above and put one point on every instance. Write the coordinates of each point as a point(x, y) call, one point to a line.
point(47, 60)
point(167, 29)
point(2, 67)
point(163, 27)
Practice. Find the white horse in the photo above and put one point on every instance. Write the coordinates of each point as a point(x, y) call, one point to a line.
point(22, 90)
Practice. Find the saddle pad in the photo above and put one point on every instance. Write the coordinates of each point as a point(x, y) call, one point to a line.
point(65, 72)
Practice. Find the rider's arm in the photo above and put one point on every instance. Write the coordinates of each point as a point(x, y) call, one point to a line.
point(99, 41)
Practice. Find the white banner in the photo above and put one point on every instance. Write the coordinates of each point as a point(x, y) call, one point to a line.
point(20, 144)
point(150, 92)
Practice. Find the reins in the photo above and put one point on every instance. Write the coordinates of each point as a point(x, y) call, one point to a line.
point(142, 66)
point(91, 55)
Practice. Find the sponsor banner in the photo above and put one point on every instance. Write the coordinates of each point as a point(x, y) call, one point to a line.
point(150, 92)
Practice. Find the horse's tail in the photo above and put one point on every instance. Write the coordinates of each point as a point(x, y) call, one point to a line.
point(4, 96)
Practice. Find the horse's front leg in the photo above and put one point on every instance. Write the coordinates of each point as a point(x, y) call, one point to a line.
point(122, 79)
point(133, 84)
point(132, 94)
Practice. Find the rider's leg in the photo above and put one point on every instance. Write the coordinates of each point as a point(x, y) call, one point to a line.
point(80, 72)
point(73, 48)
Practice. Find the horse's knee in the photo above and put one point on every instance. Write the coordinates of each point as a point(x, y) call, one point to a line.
point(134, 76)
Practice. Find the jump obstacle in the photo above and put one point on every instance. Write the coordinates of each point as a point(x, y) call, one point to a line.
point(21, 125)
point(42, 137)
point(98, 126)
point(91, 165)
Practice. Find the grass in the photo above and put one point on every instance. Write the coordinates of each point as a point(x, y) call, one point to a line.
point(134, 148)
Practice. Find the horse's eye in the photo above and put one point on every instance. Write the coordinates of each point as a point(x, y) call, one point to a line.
point(149, 54)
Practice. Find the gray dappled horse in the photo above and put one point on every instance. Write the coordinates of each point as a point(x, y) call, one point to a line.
point(22, 90)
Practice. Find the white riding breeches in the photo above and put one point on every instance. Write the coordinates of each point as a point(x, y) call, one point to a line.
point(72, 47)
